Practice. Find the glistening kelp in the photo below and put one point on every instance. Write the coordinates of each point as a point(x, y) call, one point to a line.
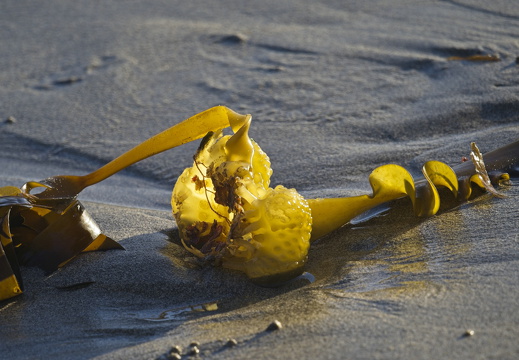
point(224, 206)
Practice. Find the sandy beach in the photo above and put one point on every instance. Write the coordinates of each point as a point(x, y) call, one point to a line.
point(335, 89)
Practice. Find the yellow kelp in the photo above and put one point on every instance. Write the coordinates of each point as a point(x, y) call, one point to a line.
point(226, 210)
point(224, 205)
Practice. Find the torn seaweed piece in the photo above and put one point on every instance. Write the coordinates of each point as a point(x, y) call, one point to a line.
point(49, 240)
point(10, 277)
point(45, 233)
point(477, 58)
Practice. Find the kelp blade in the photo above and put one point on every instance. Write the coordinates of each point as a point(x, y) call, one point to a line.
point(10, 277)
point(38, 236)
point(59, 237)
point(427, 198)
point(193, 128)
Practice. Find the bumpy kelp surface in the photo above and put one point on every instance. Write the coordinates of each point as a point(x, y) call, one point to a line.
point(225, 208)
point(224, 205)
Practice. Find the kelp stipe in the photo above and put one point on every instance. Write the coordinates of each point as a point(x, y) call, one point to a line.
point(391, 182)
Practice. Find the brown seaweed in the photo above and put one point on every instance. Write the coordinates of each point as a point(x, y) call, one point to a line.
point(34, 233)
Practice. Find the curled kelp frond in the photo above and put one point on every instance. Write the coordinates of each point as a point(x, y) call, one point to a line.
point(391, 182)
point(43, 233)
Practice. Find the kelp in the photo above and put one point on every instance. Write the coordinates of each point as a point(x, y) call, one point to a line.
point(36, 233)
point(391, 182)
point(226, 210)
point(50, 228)
point(224, 206)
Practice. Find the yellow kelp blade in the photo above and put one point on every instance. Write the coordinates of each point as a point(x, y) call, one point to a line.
point(9, 191)
point(67, 187)
point(389, 182)
point(10, 278)
point(39, 236)
point(441, 174)
point(435, 174)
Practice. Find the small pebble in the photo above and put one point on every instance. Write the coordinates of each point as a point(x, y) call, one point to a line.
point(10, 120)
point(234, 39)
point(275, 325)
point(176, 350)
point(174, 356)
point(194, 350)
point(67, 81)
point(194, 344)
point(468, 333)
point(232, 342)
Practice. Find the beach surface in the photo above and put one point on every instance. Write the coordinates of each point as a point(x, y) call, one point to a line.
point(335, 89)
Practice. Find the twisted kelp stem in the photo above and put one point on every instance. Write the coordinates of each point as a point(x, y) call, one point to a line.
point(390, 182)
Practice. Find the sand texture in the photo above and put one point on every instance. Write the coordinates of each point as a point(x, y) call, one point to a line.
point(336, 88)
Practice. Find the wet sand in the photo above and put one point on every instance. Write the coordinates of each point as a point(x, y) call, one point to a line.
point(335, 90)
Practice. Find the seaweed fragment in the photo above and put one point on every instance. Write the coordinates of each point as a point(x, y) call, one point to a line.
point(10, 277)
point(477, 58)
point(43, 233)
point(483, 179)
